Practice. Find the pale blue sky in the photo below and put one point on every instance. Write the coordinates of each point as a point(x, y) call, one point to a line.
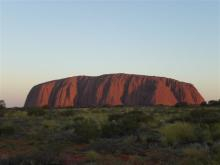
point(45, 40)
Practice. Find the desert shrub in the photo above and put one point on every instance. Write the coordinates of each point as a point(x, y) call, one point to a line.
point(126, 144)
point(179, 116)
point(37, 112)
point(105, 145)
point(214, 102)
point(181, 104)
point(149, 136)
point(50, 124)
point(136, 159)
point(68, 124)
point(67, 112)
point(203, 116)
point(196, 155)
point(179, 132)
point(195, 152)
point(123, 124)
point(138, 116)
point(204, 103)
point(62, 130)
point(86, 130)
point(7, 129)
point(2, 113)
point(2, 104)
point(33, 159)
point(92, 155)
point(111, 129)
point(215, 129)
point(16, 114)
point(130, 145)
point(215, 151)
point(120, 128)
point(100, 118)
point(110, 160)
point(203, 134)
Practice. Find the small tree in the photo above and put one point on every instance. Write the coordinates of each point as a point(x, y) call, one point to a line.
point(214, 102)
point(2, 104)
point(181, 104)
point(204, 103)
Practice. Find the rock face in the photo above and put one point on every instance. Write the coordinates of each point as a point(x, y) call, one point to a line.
point(112, 90)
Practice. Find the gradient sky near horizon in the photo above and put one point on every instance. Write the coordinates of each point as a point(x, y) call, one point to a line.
point(46, 40)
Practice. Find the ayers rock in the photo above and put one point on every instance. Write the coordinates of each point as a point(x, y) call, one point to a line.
point(112, 90)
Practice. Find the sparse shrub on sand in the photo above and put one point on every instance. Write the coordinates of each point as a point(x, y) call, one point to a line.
point(204, 116)
point(179, 132)
point(195, 152)
point(86, 130)
point(2, 104)
point(203, 134)
point(50, 124)
point(116, 135)
point(124, 124)
point(67, 112)
point(195, 156)
point(16, 114)
point(92, 156)
point(37, 112)
point(215, 130)
point(215, 152)
point(7, 129)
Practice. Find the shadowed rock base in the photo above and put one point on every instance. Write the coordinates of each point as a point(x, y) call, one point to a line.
point(112, 90)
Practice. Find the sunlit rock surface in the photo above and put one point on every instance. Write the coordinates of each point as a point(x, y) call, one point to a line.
point(112, 90)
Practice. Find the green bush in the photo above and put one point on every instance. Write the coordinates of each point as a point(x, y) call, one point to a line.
point(2, 113)
point(44, 158)
point(203, 116)
point(119, 128)
point(178, 133)
point(124, 124)
point(67, 112)
point(37, 112)
point(194, 155)
point(92, 156)
point(137, 116)
point(111, 129)
point(116, 134)
point(216, 152)
point(181, 104)
point(86, 130)
point(126, 144)
point(149, 136)
point(214, 102)
point(203, 134)
point(105, 145)
point(215, 129)
point(2, 104)
point(50, 124)
point(195, 152)
point(7, 129)
point(16, 114)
